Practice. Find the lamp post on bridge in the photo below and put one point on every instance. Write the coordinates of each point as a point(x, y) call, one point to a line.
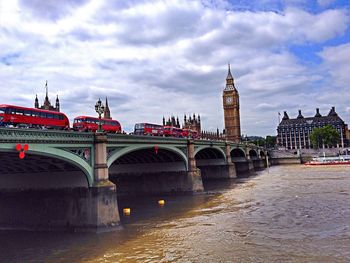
point(99, 108)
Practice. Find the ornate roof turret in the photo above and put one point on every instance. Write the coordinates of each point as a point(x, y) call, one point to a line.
point(36, 102)
point(47, 104)
point(229, 80)
point(318, 113)
point(229, 75)
point(285, 116)
point(332, 112)
point(57, 104)
point(300, 116)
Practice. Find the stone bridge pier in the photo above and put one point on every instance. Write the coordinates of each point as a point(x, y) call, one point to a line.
point(102, 210)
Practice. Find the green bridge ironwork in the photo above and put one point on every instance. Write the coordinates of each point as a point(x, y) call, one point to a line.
point(78, 149)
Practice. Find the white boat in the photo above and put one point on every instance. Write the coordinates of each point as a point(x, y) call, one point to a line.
point(337, 160)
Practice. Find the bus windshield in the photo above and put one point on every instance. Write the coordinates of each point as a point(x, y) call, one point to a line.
point(139, 126)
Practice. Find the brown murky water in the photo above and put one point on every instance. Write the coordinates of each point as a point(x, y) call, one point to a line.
point(292, 214)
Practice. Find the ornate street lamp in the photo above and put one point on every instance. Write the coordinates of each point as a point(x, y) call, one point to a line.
point(99, 108)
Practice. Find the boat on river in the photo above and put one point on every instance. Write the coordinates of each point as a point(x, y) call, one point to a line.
point(337, 160)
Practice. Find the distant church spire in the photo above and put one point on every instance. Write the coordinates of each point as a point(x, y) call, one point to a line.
point(36, 103)
point(229, 75)
point(57, 103)
point(47, 92)
point(107, 113)
point(47, 104)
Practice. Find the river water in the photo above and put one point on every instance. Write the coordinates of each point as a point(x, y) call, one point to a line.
point(291, 214)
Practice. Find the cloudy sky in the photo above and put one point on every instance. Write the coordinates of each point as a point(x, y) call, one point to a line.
point(155, 58)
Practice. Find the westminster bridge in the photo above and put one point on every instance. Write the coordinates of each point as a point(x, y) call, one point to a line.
point(59, 179)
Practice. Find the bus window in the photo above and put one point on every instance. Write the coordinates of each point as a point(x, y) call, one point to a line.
point(27, 113)
point(42, 115)
point(2, 110)
point(35, 114)
point(19, 111)
point(50, 115)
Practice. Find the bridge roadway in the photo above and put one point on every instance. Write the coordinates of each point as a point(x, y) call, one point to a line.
point(71, 179)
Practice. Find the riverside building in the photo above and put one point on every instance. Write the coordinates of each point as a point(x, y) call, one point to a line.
point(295, 133)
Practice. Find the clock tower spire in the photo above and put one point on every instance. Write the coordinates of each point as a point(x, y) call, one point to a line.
point(230, 99)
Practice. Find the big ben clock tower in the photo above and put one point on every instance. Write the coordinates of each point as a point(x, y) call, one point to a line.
point(230, 99)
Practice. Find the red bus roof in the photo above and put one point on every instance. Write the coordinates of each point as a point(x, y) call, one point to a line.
point(148, 123)
point(32, 109)
point(94, 118)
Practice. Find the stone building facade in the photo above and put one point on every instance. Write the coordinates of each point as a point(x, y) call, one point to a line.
point(295, 133)
point(192, 123)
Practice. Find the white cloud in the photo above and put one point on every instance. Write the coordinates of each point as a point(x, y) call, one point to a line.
point(158, 58)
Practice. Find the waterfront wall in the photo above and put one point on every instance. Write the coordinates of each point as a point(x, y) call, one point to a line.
point(225, 171)
point(245, 168)
point(285, 160)
point(153, 183)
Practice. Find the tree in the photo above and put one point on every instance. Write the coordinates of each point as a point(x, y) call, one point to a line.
point(270, 141)
point(324, 136)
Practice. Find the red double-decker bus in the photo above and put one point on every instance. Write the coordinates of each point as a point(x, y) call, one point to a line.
point(188, 133)
point(148, 129)
point(86, 123)
point(22, 117)
point(171, 131)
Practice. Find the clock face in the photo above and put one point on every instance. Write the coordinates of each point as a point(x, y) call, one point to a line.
point(229, 100)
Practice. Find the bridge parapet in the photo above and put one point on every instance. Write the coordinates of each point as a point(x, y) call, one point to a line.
point(44, 136)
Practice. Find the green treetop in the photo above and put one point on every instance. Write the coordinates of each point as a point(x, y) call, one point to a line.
point(324, 136)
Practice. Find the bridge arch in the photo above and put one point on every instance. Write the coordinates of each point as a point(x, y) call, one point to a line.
point(213, 155)
point(45, 163)
point(262, 154)
point(138, 170)
point(253, 153)
point(237, 152)
point(212, 151)
point(127, 150)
